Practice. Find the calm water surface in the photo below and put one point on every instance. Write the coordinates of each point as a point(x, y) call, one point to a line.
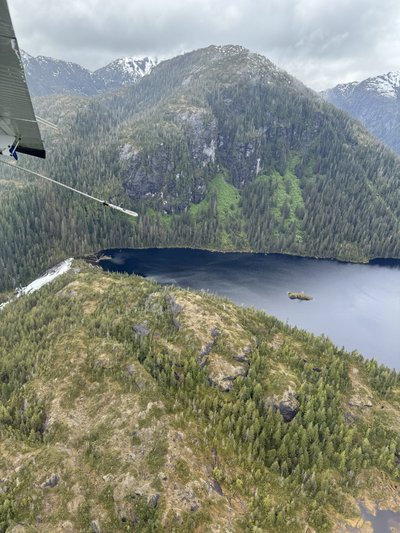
point(357, 306)
point(383, 520)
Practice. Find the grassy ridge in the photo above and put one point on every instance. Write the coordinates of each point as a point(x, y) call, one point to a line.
point(139, 407)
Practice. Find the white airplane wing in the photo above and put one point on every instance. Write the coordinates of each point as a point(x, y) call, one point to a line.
point(19, 130)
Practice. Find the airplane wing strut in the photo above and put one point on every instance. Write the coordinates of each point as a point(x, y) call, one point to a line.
point(107, 204)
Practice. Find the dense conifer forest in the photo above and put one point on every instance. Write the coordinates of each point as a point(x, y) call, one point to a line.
point(128, 406)
point(215, 149)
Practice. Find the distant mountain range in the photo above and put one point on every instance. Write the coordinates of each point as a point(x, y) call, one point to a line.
point(46, 75)
point(375, 102)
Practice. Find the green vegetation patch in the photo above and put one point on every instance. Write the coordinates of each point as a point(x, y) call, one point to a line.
point(226, 195)
point(221, 208)
point(157, 455)
point(286, 200)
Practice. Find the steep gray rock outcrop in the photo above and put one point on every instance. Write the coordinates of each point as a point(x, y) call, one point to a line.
point(222, 373)
point(176, 167)
point(287, 404)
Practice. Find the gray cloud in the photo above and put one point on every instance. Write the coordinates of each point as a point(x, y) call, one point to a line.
point(319, 41)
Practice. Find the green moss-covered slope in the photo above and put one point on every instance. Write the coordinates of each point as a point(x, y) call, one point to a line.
point(128, 406)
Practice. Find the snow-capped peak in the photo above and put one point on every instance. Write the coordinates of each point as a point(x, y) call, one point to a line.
point(46, 75)
point(129, 68)
point(136, 66)
point(346, 88)
point(123, 71)
point(386, 85)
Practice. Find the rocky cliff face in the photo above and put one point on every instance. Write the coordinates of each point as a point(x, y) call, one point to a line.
point(201, 126)
point(175, 168)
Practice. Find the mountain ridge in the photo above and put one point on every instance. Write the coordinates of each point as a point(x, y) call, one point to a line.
point(47, 75)
point(134, 406)
point(374, 101)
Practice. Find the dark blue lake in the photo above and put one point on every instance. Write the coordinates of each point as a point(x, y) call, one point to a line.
point(357, 306)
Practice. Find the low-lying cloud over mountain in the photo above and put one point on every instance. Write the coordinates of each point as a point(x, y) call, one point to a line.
point(322, 43)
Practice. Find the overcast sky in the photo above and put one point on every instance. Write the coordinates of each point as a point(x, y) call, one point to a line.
point(321, 42)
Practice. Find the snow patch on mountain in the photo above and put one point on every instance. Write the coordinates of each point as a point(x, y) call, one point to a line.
point(346, 88)
point(386, 85)
point(49, 276)
point(375, 102)
point(135, 66)
point(122, 71)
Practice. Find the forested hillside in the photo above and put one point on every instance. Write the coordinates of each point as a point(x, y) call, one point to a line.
point(128, 406)
point(216, 149)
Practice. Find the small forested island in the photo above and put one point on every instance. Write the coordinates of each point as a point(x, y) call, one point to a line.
point(126, 405)
point(300, 296)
